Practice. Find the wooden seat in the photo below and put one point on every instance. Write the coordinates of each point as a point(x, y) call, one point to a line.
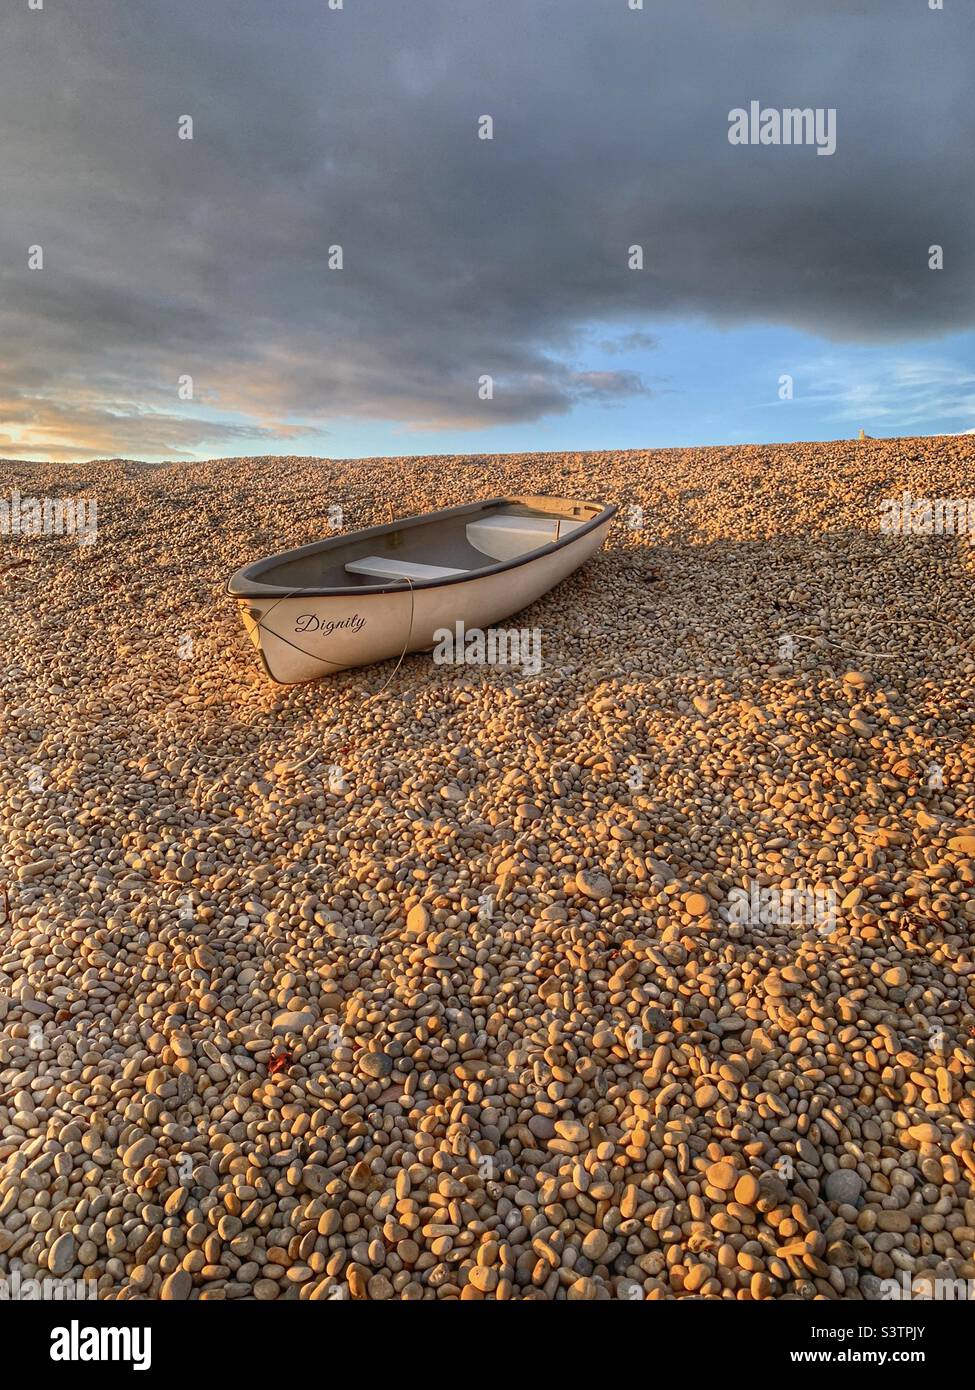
point(378, 567)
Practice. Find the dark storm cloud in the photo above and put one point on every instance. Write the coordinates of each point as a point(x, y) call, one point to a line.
point(463, 258)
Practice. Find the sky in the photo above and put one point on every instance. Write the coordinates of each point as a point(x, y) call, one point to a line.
point(165, 297)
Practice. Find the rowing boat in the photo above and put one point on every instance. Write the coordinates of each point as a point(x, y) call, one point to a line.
point(378, 593)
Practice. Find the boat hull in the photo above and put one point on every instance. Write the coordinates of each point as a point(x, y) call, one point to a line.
point(305, 637)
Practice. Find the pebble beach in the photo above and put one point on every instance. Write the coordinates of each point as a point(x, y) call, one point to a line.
point(432, 982)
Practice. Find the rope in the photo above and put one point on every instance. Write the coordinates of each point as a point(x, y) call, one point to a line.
point(375, 695)
point(409, 634)
point(880, 656)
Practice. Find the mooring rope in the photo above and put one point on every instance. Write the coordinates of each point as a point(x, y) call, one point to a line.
point(375, 695)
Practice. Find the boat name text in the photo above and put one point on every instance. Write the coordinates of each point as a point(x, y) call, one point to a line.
point(310, 622)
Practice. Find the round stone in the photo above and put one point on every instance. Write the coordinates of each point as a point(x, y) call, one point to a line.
point(417, 920)
point(572, 1130)
point(293, 1020)
point(376, 1064)
point(925, 1133)
point(177, 1286)
point(844, 1186)
point(593, 885)
point(61, 1257)
point(747, 1190)
point(594, 1245)
point(138, 1151)
point(541, 1126)
point(723, 1175)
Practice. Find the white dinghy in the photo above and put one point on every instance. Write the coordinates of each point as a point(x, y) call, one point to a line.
point(385, 591)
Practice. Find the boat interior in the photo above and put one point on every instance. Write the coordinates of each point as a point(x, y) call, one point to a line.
point(421, 550)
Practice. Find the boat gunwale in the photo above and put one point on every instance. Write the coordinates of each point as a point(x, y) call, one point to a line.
point(255, 589)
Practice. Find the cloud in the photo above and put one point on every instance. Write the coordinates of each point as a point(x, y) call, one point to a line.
point(907, 395)
point(462, 257)
point(609, 386)
point(68, 432)
point(636, 341)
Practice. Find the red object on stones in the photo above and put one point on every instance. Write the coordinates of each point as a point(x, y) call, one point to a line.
point(279, 1062)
